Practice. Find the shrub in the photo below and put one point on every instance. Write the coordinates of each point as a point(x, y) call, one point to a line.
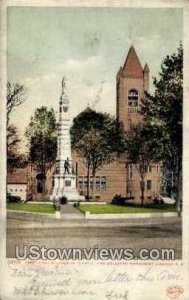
point(11, 198)
point(77, 204)
point(118, 200)
point(63, 200)
point(158, 201)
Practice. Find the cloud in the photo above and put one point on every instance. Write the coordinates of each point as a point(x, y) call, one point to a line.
point(92, 63)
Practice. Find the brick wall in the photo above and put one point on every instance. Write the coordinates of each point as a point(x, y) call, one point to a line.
point(118, 182)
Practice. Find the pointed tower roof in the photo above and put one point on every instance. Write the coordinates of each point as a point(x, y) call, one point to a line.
point(132, 67)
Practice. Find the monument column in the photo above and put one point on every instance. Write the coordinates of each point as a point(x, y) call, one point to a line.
point(64, 178)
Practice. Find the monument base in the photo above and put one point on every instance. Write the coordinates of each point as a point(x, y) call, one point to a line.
point(65, 187)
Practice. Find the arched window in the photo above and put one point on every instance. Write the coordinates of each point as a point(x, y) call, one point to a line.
point(133, 98)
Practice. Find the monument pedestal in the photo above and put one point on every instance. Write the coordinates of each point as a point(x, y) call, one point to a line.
point(65, 186)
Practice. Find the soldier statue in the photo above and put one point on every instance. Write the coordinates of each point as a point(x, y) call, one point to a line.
point(67, 166)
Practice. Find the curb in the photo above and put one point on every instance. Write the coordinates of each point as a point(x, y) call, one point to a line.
point(31, 216)
point(130, 216)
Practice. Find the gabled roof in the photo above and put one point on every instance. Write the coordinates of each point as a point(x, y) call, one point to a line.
point(132, 67)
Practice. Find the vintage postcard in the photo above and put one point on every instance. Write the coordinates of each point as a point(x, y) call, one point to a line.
point(94, 150)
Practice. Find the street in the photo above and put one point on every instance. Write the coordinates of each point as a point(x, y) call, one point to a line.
point(137, 234)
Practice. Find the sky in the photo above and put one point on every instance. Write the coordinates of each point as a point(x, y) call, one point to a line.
point(85, 45)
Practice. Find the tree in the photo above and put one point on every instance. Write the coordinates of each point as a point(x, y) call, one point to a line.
point(16, 95)
point(91, 148)
point(142, 144)
point(42, 136)
point(14, 157)
point(163, 113)
point(98, 138)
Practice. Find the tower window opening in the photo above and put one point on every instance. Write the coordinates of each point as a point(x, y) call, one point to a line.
point(133, 101)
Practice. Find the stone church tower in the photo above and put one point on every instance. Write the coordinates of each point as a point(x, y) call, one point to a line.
point(132, 81)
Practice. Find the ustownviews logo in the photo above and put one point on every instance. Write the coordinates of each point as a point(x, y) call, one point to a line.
point(35, 252)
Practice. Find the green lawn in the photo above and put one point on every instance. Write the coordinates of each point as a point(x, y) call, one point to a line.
point(115, 209)
point(39, 208)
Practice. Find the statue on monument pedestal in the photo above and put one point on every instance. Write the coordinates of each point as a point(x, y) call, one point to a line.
point(64, 188)
point(67, 166)
point(63, 84)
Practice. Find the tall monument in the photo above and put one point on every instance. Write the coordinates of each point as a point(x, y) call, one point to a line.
point(64, 179)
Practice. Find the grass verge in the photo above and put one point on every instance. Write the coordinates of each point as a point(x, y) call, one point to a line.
point(115, 209)
point(37, 208)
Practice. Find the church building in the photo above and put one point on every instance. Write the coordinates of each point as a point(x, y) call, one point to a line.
point(119, 177)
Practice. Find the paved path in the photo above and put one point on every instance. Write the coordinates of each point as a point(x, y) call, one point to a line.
point(68, 211)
